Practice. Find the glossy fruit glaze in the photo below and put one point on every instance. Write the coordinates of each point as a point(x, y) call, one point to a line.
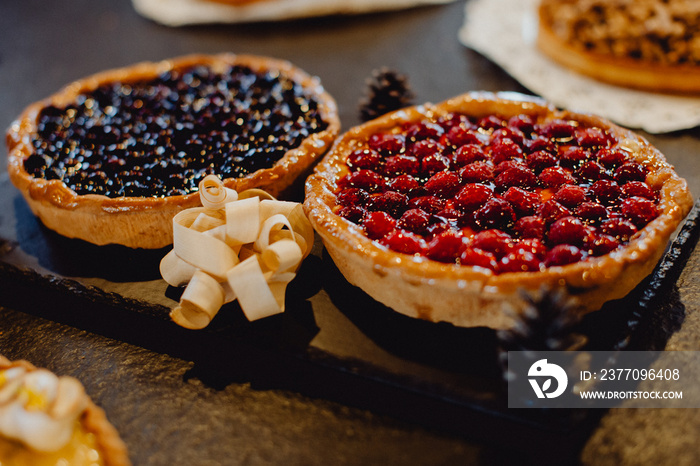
point(509, 195)
point(160, 137)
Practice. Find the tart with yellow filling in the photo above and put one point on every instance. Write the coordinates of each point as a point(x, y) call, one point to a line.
point(113, 157)
point(464, 210)
point(49, 420)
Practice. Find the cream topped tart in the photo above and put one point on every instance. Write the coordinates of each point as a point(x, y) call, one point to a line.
point(49, 420)
point(113, 157)
point(450, 212)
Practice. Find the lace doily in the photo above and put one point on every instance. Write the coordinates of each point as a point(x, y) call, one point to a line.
point(184, 12)
point(505, 31)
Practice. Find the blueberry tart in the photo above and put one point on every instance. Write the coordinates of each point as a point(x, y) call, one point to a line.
point(460, 211)
point(111, 158)
point(47, 420)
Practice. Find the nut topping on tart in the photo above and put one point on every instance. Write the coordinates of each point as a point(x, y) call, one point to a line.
point(113, 157)
point(449, 211)
point(49, 420)
point(647, 44)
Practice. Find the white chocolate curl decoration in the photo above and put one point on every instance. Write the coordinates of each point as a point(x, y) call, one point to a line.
point(245, 246)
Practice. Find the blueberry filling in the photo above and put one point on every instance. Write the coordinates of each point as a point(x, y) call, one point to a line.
point(160, 137)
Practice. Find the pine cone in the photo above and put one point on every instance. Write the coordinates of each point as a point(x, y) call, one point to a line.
point(387, 91)
point(546, 324)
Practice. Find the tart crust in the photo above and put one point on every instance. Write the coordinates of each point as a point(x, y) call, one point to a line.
point(472, 296)
point(621, 71)
point(140, 222)
point(112, 449)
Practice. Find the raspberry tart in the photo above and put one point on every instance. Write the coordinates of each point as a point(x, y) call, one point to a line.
point(457, 211)
point(113, 157)
point(46, 420)
point(646, 44)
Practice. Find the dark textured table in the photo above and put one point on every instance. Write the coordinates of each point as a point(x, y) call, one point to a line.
point(328, 382)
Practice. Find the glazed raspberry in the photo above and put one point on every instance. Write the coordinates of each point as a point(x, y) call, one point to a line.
point(490, 122)
point(567, 230)
point(601, 244)
point(563, 254)
point(523, 202)
point(521, 261)
point(368, 180)
point(477, 172)
point(611, 157)
point(390, 202)
point(590, 171)
point(541, 143)
point(478, 258)
point(352, 197)
point(630, 171)
point(378, 224)
point(396, 165)
point(508, 135)
point(572, 156)
point(387, 144)
point(530, 227)
point(446, 246)
point(592, 212)
point(606, 192)
point(505, 149)
point(467, 154)
point(443, 184)
point(539, 160)
point(422, 131)
point(432, 164)
point(459, 136)
point(516, 176)
point(405, 242)
point(570, 196)
point(496, 242)
point(559, 129)
point(590, 137)
point(533, 246)
point(553, 177)
point(525, 123)
point(639, 210)
point(618, 228)
point(354, 214)
point(405, 184)
point(550, 211)
point(423, 149)
point(496, 213)
point(364, 158)
point(414, 220)
point(639, 189)
point(472, 196)
point(430, 204)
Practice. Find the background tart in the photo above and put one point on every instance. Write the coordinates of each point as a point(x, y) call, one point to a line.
point(122, 178)
point(379, 225)
point(647, 44)
point(94, 440)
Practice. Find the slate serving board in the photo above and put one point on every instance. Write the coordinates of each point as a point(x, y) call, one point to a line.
point(332, 342)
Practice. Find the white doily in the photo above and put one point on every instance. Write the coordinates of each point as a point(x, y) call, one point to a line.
point(184, 12)
point(505, 31)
